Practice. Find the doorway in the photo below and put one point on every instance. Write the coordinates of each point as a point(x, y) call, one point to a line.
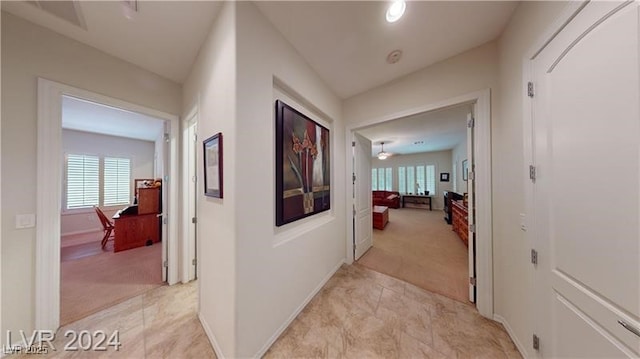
point(480, 238)
point(189, 193)
point(49, 193)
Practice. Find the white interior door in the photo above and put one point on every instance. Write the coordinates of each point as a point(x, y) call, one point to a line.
point(471, 208)
point(587, 185)
point(362, 215)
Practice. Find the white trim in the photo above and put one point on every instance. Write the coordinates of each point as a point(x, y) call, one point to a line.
point(484, 232)
point(298, 310)
point(212, 338)
point(190, 119)
point(84, 231)
point(512, 334)
point(49, 193)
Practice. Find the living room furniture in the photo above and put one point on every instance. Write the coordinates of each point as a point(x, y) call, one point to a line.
point(417, 201)
point(460, 221)
point(448, 197)
point(389, 199)
point(380, 217)
point(107, 226)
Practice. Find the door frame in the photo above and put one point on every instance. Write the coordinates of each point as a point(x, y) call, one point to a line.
point(49, 193)
point(188, 249)
point(482, 148)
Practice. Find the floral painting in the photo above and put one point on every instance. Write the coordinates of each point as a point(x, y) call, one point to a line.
point(303, 185)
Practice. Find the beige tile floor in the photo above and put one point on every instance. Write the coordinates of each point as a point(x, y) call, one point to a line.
point(358, 314)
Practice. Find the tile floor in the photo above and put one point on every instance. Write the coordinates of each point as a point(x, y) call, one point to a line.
point(358, 314)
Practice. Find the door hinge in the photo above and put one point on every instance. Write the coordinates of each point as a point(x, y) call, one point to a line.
point(353, 143)
point(195, 137)
point(472, 228)
point(536, 342)
point(471, 122)
point(353, 178)
point(194, 220)
point(194, 261)
point(532, 173)
point(534, 256)
point(530, 89)
point(354, 211)
point(165, 220)
point(165, 264)
point(471, 176)
point(166, 178)
point(194, 179)
point(166, 137)
point(472, 281)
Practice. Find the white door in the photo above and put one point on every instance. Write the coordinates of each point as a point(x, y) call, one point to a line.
point(471, 208)
point(189, 201)
point(164, 170)
point(587, 185)
point(362, 218)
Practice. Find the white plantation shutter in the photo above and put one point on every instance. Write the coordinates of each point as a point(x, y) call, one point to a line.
point(374, 179)
point(431, 179)
point(83, 185)
point(402, 180)
point(388, 184)
point(117, 179)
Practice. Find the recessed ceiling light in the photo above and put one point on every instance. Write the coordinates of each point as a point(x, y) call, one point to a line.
point(418, 143)
point(396, 10)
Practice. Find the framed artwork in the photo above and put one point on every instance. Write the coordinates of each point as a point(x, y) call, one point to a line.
point(213, 166)
point(444, 177)
point(465, 170)
point(303, 163)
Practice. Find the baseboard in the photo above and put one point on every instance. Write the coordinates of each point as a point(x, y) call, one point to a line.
point(94, 230)
point(212, 338)
point(501, 320)
point(293, 316)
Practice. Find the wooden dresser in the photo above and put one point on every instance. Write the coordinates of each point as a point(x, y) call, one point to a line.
point(459, 221)
point(143, 226)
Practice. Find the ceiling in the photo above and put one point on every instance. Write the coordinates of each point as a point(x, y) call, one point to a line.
point(82, 115)
point(347, 42)
point(162, 36)
point(438, 130)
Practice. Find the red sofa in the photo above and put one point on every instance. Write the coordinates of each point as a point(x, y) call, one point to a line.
point(389, 199)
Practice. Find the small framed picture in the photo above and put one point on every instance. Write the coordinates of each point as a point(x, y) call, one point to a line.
point(213, 166)
point(444, 177)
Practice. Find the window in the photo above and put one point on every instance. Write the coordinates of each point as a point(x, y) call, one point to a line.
point(95, 181)
point(381, 179)
point(117, 179)
point(402, 181)
point(82, 181)
point(411, 179)
point(417, 179)
point(374, 179)
point(388, 184)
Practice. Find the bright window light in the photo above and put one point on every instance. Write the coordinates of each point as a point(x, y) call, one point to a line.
point(396, 10)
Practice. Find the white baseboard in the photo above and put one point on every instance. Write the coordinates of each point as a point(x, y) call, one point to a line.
point(85, 231)
point(212, 338)
point(293, 316)
point(501, 320)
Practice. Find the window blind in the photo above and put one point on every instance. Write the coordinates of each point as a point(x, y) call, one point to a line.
point(117, 179)
point(388, 184)
point(374, 179)
point(82, 181)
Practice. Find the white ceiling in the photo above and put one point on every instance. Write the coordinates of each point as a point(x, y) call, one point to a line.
point(82, 115)
point(347, 42)
point(438, 130)
point(163, 36)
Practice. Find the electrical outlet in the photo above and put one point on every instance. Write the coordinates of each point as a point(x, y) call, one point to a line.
point(523, 222)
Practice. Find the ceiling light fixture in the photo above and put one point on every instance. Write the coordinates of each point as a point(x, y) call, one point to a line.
point(383, 155)
point(396, 10)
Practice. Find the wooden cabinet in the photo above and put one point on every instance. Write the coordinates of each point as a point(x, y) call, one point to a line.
point(459, 221)
point(132, 231)
point(149, 200)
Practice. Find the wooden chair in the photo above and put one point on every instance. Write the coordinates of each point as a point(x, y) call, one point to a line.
point(107, 226)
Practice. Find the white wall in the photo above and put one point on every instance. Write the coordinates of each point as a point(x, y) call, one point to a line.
point(441, 159)
point(512, 268)
point(458, 154)
point(141, 154)
point(30, 51)
point(278, 267)
point(211, 86)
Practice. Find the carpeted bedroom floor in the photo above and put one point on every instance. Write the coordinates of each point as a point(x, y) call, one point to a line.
point(419, 247)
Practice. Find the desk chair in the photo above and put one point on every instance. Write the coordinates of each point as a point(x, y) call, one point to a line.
point(107, 226)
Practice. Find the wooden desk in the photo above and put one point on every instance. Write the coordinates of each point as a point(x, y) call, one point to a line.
point(380, 216)
point(134, 230)
point(417, 201)
point(460, 221)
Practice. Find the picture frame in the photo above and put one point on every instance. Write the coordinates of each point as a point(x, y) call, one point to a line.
point(465, 171)
point(303, 165)
point(444, 177)
point(213, 169)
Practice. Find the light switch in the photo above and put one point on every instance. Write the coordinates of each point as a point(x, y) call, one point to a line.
point(523, 222)
point(25, 221)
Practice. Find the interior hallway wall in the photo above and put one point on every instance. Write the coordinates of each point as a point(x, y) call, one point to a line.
point(28, 52)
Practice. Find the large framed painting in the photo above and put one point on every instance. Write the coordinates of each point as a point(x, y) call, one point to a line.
point(303, 162)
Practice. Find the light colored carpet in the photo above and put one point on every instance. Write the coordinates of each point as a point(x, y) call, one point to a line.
point(92, 283)
point(419, 247)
